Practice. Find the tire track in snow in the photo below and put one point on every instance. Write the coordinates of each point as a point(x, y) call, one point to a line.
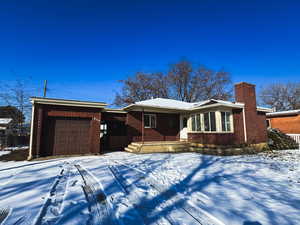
point(178, 216)
point(98, 205)
point(134, 196)
point(50, 211)
point(197, 213)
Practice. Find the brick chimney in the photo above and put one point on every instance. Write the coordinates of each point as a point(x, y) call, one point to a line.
point(245, 93)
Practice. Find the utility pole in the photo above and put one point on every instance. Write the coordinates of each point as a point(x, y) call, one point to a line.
point(45, 88)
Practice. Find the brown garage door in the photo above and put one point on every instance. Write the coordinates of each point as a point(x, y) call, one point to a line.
point(68, 136)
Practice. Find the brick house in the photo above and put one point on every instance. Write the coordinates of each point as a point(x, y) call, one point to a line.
point(64, 127)
point(286, 121)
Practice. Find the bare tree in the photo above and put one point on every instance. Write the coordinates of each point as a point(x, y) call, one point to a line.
point(17, 94)
point(198, 84)
point(281, 96)
point(182, 82)
point(142, 86)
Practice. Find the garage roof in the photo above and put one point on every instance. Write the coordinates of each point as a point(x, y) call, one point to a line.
point(284, 113)
point(66, 102)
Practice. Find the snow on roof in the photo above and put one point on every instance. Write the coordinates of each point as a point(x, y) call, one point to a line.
point(282, 113)
point(5, 121)
point(175, 104)
point(165, 103)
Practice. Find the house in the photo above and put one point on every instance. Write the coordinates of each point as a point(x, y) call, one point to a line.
point(286, 121)
point(5, 130)
point(64, 127)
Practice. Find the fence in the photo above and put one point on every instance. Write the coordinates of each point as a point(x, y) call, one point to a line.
point(296, 137)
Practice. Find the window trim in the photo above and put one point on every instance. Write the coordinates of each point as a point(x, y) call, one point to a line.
point(150, 115)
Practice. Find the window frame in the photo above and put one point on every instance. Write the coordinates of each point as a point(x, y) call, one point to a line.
point(150, 120)
point(226, 122)
point(197, 118)
point(209, 121)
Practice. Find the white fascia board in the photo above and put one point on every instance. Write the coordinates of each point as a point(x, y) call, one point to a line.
point(284, 113)
point(114, 110)
point(263, 109)
point(239, 106)
point(139, 107)
point(64, 102)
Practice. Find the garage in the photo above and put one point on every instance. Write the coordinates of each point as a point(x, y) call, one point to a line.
point(67, 136)
point(65, 127)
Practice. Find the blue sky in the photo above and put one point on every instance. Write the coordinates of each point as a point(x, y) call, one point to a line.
point(84, 47)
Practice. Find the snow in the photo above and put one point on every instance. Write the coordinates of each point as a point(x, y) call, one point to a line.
point(181, 105)
point(166, 103)
point(3, 152)
point(125, 188)
point(5, 121)
point(16, 148)
point(8, 150)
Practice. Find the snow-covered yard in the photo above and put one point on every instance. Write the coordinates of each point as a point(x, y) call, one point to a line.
point(123, 188)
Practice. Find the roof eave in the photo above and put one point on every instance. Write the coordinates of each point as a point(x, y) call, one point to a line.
point(266, 110)
point(218, 105)
point(65, 102)
point(274, 114)
point(159, 108)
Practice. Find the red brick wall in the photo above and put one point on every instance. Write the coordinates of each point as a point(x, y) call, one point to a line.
point(238, 124)
point(261, 127)
point(256, 128)
point(42, 112)
point(110, 116)
point(287, 124)
point(163, 131)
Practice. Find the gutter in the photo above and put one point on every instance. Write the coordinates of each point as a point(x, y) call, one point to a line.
point(245, 127)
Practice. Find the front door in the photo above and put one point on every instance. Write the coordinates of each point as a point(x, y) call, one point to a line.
point(183, 127)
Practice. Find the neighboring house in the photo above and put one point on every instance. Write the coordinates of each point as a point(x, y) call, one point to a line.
point(286, 121)
point(5, 130)
point(64, 127)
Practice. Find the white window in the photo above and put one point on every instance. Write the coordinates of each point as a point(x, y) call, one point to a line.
point(150, 121)
point(225, 120)
point(196, 122)
point(210, 121)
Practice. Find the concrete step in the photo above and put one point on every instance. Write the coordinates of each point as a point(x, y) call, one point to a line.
point(136, 144)
point(132, 148)
point(128, 149)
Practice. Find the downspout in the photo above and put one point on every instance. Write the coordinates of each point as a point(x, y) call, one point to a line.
point(31, 132)
point(244, 121)
point(143, 127)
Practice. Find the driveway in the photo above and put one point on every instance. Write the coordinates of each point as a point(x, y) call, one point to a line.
point(124, 188)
